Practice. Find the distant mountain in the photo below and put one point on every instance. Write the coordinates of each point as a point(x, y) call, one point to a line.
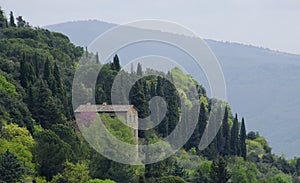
point(263, 85)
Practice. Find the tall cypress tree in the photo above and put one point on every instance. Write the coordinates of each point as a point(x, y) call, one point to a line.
point(48, 74)
point(199, 129)
point(234, 141)
point(47, 70)
point(152, 89)
point(3, 20)
point(298, 167)
point(243, 140)
point(173, 105)
point(226, 133)
point(202, 120)
point(27, 74)
point(12, 20)
point(57, 86)
point(97, 58)
point(116, 63)
point(23, 78)
point(48, 109)
point(139, 70)
point(159, 87)
point(138, 99)
point(36, 65)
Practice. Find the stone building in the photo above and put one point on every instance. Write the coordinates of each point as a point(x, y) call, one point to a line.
point(128, 112)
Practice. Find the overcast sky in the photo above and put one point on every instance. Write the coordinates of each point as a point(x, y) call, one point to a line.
point(273, 24)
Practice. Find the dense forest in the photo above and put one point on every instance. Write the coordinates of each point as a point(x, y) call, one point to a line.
point(40, 139)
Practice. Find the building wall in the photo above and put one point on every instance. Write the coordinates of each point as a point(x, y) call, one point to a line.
point(131, 119)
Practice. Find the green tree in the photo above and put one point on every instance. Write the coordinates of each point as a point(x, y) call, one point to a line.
point(139, 70)
point(199, 130)
point(202, 173)
point(19, 141)
point(23, 72)
point(48, 73)
point(138, 99)
point(202, 120)
point(219, 172)
point(20, 21)
point(12, 20)
point(47, 109)
point(97, 58)
point(226, 133)
point(3, 20)
point(234, 138)
point(116, 63)
point(51, 153)
point(159, 87)
point(298, 166)
point(280, 178)
point(243, 140)
point(11, 169)
point(77, 173)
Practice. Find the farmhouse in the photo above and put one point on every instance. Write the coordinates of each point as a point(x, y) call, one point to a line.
point(128, 112)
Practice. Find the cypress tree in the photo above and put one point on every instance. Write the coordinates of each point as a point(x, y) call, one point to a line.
point(48, 74)
point(298, 167)
point(152, 89)
point(23, 78)
point(220, 141)
point(173, 105)
point(243, 140)
point(47, 70)
point(97, 58)
point(199, 129)
point(12, 20)
point(226, 133)
point(116, 64)
point(234, 141)
point(86, 52)
point(159, 87)
point(48, 110)
point(27, 74)
point(138, 99)
point(3, 20)
point(36, 65)
point(57, 86)
point(139, 70)
point(202, 120)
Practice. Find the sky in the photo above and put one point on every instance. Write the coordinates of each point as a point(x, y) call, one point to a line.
point(271, 24)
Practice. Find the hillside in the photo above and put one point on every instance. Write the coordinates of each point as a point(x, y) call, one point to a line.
point(262, 84)
point(41, 140)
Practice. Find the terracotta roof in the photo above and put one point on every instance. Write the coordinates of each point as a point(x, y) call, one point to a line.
point(104, 108)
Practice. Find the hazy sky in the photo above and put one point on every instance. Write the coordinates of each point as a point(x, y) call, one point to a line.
point(268, 23)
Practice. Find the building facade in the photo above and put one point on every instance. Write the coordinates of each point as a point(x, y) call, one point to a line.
point(127, 112)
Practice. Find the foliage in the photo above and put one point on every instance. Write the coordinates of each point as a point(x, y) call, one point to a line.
point(7, 87)
point(19, 141)
point(219, 172)
point(101, 181)
point(50, 153)
point(78, 173)
point(40, 136)
point(11, 169)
